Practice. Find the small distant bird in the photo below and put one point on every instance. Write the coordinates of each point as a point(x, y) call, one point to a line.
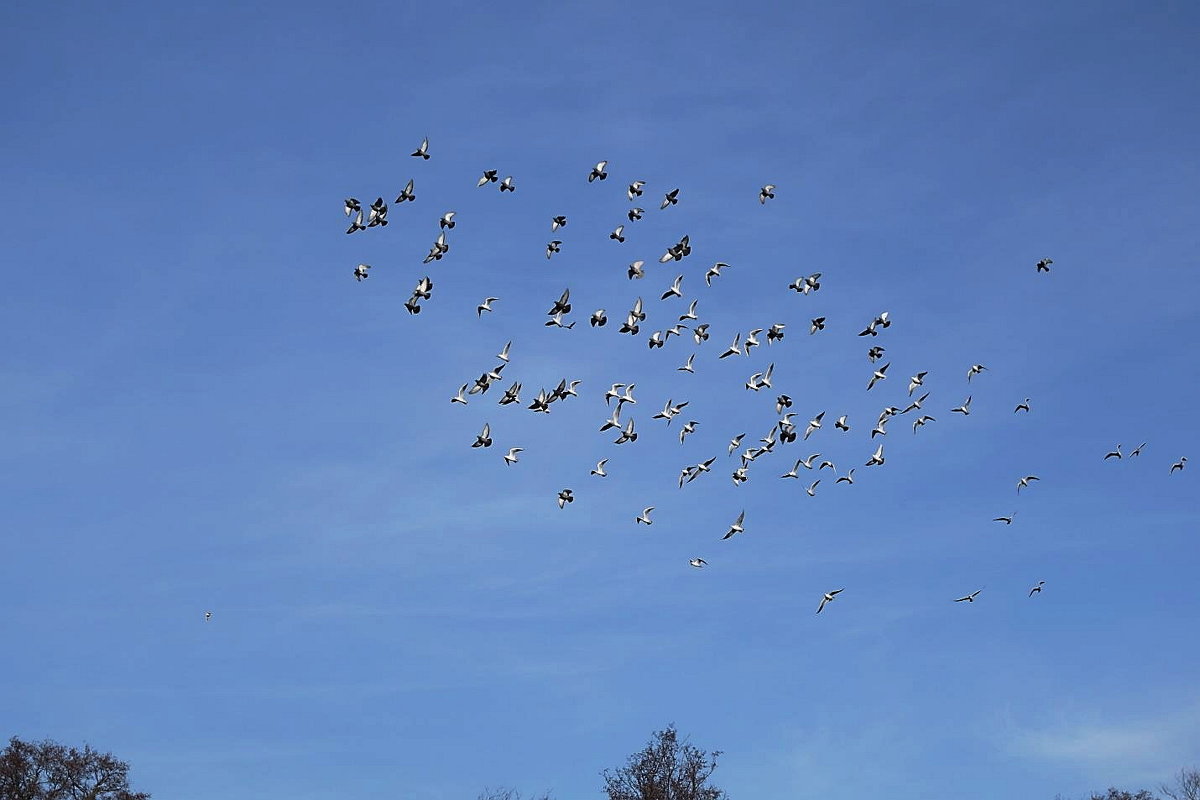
point(447, 220)
point(671, 198)
point(489, 176)
point(634, 190)
point(557, 222)
point(812, 489)
point(407, 193)
point(828, 597)
point(357, 223)
point(599, 318)
point(1024, 482)
point(1137, 451)
point(965, 408)
point(360, 272)
point(736, 527)
point(919, 422)
point(874, 354)
point(713, 272)
point(636, 270)
point(1022, 406)
point(818, 324)
point(688, 428)
point(878, 375)
point(1115, 453)
point(599, 470)
point(1006, 520)
point(841, 423)
point(635, 214)
point(484, 439)
point(503, 354)
point(687, 367)
point(644, 518)
point(969, 598)
point(564, 497)
point(974, 370)
point(507, 185)
point(735, 442)
point(916, 404)
point(848, 477)
point(915, 381)
point(775, 333)
point(486, 305)
point(699, 563)
point(814, 424)
point(459, 398)
point(511, 456)
point(616, 234)
point(1044, 264)
point(735, 349)
point(1179, 465)
point(876, 457)
point(782, 402)
point(674, 290)
point(1037, 589)
point(207, 616)
point(423, 150)
point(766, 193)
point(552, 248)
point(598, 172)
point(700, 333)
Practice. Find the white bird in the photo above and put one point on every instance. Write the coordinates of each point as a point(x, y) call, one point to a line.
point(599, 470)
point(675, 290)
point(829, 597)
point(971, 597)
point(880, 428)
point(645, 516)
point(486, 305)
point(965, 408)
point(614, 421)
point(808, 462)
point(484, 439)
point(1115, 453)
point(634, 190)
point(766, 193)
point(598, 172)
point(687, 367)
point(627, 396)
point(503, 354)
point(975, 370)
point(740, 476)
point(794, 472)
point(1178, 465)
point(812, 490)
point(511, 456)
point(1037, 589)
point(423, 150)
point(919, 422)
point(841, 423)
point(489, 176)
point(699, 563)
point(878, 375)
point(458, 398)
point(713, 272)
point(735, 349)
point(848, 477)
point(691, 312)
point(876, 457)
point(736, 527)
point(1024, 482)
point(735, 442)
point(671, 198)
point(613, 393)
point(814, 424)
point(1022, 406)
point(688, 427)
point(915, 381)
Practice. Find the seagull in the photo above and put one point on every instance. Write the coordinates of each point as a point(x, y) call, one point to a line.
point(879, 375)
point(599, 470)
point(766, 193)
point(486, 305)
point(458, 398)
point(557, 222)
point(735, 442)
point(794, 472)
point(688, 427)
point(503, 354)
point(848, 477)
point(920, 422)
point(616, 234)
point(965, 408)
point(1044, 264)
point(915, 381)
point(360, 272)
point(808, 462)
point(713, 272)
point(634, 190)
point(645, 516)
point(699, 563)
point(598, 172)
point(812, 490)
point(1022, 406)
point(557, 321)
point(1024, 482)
point(407, 193)
point(484, 439)
point(614, 421)
point(752, 339)
point(814, 424)
point(975, 370)
point(874, 354)
point(636, 271)
point(971, 597)
point(670, 198)
point(506, 185)
point(1037, 589)
point(829, 597)
point(916, 404)
point(627, 396)
point(735, 349)
point(674, 291)
point(511, 456)
point(691, 312)
point(564, 497)
point(736, 527)
point(423, 150)
point(489, 176)
point(635, 214)
point(1137, 451)
point(687, 367)
point(613, 393)
point(1179, 465)
point(1116, 453)
point(876, 457)
point(1006, 520)
point(818, 324)
point(447, 220)
point(841, 423)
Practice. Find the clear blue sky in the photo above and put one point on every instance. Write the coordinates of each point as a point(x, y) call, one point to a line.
point(200, 408)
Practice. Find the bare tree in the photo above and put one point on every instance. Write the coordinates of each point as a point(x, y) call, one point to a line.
point(667, 769)
point(1118, 794)
point(1187, 786)
point(47, 770)
point(506, 794)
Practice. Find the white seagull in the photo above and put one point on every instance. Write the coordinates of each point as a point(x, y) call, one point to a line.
point(645, 516)
point(736, 527)
point(829, 597)
point(511, 456)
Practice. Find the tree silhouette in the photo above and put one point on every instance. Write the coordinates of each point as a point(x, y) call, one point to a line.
point(47, 770)
point(666, 769)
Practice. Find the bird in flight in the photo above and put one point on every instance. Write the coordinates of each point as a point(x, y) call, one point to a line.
point(634, 190)
point(1179, 465)
point(736, 527)
point(598, 172)
point(423, 151)
point(969, 598)
point(671, 198)
point(766, 193)
point(965, 408)
point(484, 439)
point(698, 563)
point(1024, 482)
point(489, 176)
point(915, 381)
point(879, 375)
point(1044, 264)
point(486, 305)
point(1022, 406)
point(599, 470)
point(1113, 454)
point(511, 456)
point(974, 370)
point(1137, 451)
point(1037, 589)
point(811, 491)
point(1006, 520)
point(828, 597)
point(644, 518)
point(564, 497)
point(207, 616)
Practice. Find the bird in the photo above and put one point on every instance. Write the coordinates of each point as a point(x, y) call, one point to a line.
point(627, 396)
point(1024, 482)
point(423, 150)
point(829, 597)
point(513, 395)
point(1115, 453)
point(486, 305)
point(688, 428)
point(407, 194)
point(352, 205)
point(969, 598)
point(916, 404)
point(636, 271)
point(557, 222)
point(766, 193)
point(1006, 520)
point(458, 398)
point(687, 367)
point(360, 272)
point(848, 477)
point(736, 527)
point(818, 324)
point(1044, 265)
point(841, 423)
point(699, 563)
point(814, 424)
point(644, 518)
point(599, 318)
point(357, 223)
point(1137, 451)
point(627, 434)
point(775, 333)
point(554, 247)
point(735, 442)
point(484, 439)
point(794, 471)
point(503, 354)
point(740, 476)
point(564, 497)
point(207, 616)
point(598, 172)
point(1178, 465)
point(812, 489)
point(880, 427)
point(876, 458)
point(735, 349)
point(671, 198)
point(878, 375)
point(506, 185)
point(874, 354)
point(1037, 589)
point(1022, 406)
point(782, 402)
point(700, 333)
point(616, 234)
point(489, 176)
point(599, 470)
point(965, 408)
point(690, 315)
point(635, 214)
point(807, 463)
point(511, 456)
point(974, 370)
point(674, 290)
point(920, 422)
point(634, 190)
point(447, 220)
point(915, 381)
point(713, 272)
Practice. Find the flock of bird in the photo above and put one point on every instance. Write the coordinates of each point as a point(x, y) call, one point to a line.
point(784, 431)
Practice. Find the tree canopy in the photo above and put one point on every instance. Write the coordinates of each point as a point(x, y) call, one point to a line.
point(47, 770)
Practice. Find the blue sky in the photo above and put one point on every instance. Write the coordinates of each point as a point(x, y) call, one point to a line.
point(202, 409)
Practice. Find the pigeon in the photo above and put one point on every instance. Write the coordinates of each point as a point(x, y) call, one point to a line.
point(447, 220)
point(699, 563)
point(513, 395)
point(1178, 465)
point(627, 434)
point(965, 408)
point(671, 198)
point(841, 423)
point(1116, 453)
point(564, 497)
point(407, 194)
point(636, 271)
point(511, 456)
point(677, 251)
point(557, 222)
point(489, 176)
point(969, 598)
point(360, 272)
point(598, 172)
point(1037, 589)
point(775, 333)
point(484, 439)
point(486, 305)
point(1022, 406)
point(829, 597)
point(739, 476)
point(782, 402)
point(352, 205)
point(635, 214)
point(878, 375)
point(700, 333)
point(616, 234)
point(874, 354)
point(644, 518)
point(634, 190)
point(378, 216)
point(1024, 482)
point(506, 185)
point(766, 193)
point(736, 527)
point(552, 248)
point(818, 324)
point(1044, 265)
point(423, 150)
point(974, 370)
point(357, 223)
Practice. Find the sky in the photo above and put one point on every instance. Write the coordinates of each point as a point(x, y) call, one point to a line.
point(202, 410)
